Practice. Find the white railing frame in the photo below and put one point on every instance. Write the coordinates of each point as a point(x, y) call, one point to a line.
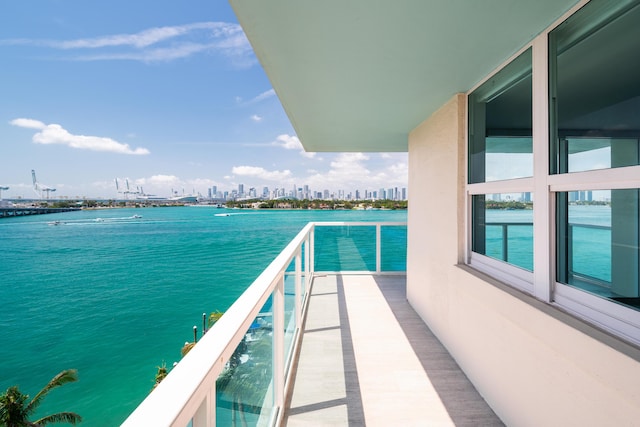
point(188, 393)
point(378, 226)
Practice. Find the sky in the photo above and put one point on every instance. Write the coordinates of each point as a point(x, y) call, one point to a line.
point(166, 95)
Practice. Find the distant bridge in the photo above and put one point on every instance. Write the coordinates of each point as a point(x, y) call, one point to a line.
point(7, 212)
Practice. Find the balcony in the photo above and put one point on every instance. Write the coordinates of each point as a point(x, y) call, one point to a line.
point(324, 336)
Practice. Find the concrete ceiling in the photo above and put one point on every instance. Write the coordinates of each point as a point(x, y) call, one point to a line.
point(359, 75)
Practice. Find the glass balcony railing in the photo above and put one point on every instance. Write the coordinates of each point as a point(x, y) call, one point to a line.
point(511, 242)
point(588, 261)
point(238, 373)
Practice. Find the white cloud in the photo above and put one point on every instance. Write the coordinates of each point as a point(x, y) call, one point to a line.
point(261, 173)
point(56, 134)
point(158, 44)
point(289, 142)
point(28, 123)
point(256, 118)
point(358, 171)
point(141, 39)
point(347, 161)
point(259, 98)
point(165, 184)
point(160, 180)
point(399, 169)
point(264, 95)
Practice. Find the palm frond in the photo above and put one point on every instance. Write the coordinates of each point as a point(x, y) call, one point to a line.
point(186, 348)
point(60, 417)
point(12, 407)
point(64, 377)
point(214, 317)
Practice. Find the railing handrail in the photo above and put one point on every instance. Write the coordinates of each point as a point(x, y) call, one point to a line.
point(192, 378)
point(590, 226)
point(188, 392)
point(359, 223)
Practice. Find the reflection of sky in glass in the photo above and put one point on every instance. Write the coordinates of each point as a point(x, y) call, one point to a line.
point(590, 160)
point(508, 166)
point(502, 166)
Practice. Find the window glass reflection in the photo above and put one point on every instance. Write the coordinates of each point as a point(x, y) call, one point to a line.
point(595, 88)
point(503, 228)
point(598, 239)
point(500, 121)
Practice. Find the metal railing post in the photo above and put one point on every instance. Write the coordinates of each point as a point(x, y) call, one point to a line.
point(307, 272)
point(505, 242)
point(298, 289)
point(378, 248)
point(205, 416)
point(278, 344)
point(312, 244)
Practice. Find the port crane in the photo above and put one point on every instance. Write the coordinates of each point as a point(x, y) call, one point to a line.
point(40, 189)
point(127, 191)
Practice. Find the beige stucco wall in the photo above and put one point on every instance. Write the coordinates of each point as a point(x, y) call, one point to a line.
point(530, 361)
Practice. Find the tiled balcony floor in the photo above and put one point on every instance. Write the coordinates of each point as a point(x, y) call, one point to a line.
point(368, 359)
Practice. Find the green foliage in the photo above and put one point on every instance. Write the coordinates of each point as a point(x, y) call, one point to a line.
point(508, 205)
point(318, 204)
point(161, 374)
point(214, 317)
point(15, 411)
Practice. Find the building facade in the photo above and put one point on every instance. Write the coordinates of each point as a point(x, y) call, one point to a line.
point(536, 101)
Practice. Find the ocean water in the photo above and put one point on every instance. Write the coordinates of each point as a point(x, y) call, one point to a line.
point(591, 246)
point(115, 296)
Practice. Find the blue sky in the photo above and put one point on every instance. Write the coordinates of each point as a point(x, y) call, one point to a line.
point(165, 94)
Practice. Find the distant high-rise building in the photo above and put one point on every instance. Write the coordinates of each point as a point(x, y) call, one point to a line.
point(240, 190)
point(404, 193)
point(326, 195)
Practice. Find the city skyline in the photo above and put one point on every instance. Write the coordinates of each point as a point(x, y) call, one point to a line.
point(154, 93)
point(308, 193)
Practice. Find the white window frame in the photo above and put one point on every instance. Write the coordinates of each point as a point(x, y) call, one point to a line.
point(622, 321)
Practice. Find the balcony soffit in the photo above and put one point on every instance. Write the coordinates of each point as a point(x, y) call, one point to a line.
point(359, 75)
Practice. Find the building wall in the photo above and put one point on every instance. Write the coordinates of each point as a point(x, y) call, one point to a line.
point(534, 364)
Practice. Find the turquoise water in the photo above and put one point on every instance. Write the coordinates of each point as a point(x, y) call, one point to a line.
point(115, 296)
point(591, 246)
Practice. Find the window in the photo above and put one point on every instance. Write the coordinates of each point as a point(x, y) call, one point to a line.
point(584, 229)
point(594, 109)
point(598, 240)
point(504, 228)
point(595, 88)
point(500, 144)
point(501, 150)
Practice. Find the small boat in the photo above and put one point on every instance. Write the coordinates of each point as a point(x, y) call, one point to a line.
point(55, 223)
point(137, 216)
point(223, 214)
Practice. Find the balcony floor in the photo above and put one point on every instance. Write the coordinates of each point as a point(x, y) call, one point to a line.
point(367, 358)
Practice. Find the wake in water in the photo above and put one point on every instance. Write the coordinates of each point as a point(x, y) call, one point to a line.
point(120, 220)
